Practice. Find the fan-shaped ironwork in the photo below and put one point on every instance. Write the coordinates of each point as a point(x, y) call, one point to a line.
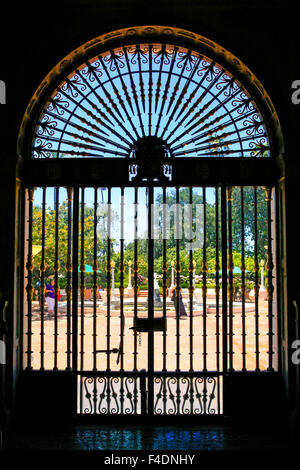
point(112, 101)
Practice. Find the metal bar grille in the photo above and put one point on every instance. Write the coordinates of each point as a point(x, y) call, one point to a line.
point(29, 287)
point(75, 280)
point(256, 284)
point(43, 287)
point(56, 269)
point(191, 280)
point(82, 280)
point(150, 299)
point(95, 289)
point(135, 270)
point(269, 267)
point(243, 286)
point(108, 280)
point(204, 285)
point(217, 290)
point(163, 356)
point(68, 268)
point(230, 279)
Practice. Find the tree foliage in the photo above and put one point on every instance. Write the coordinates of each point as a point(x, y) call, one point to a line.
point(213, 226)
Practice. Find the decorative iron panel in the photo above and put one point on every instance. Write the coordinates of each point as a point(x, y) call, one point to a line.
point(112, 101)
point(127, 395)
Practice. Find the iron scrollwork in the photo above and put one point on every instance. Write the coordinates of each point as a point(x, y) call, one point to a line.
point(198, 395)
point(110, 395)
point(150, 92)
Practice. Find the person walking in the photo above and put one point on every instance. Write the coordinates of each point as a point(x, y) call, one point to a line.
point(50, 297)
point(182, 311)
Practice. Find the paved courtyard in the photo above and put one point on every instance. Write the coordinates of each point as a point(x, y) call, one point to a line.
point(142, 347)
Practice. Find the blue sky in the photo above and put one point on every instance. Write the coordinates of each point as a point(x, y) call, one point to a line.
point(116, 203)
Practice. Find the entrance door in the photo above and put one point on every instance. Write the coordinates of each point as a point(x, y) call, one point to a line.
point(150, 319)
point(157, 293)
point(150, 236)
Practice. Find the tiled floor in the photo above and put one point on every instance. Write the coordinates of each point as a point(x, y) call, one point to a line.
point(147, 438)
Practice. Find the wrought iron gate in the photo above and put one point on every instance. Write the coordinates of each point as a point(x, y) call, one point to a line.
point(170, 370)
point(153, 130)
point(133, 350)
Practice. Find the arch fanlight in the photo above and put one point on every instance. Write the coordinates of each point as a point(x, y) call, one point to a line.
point(150, 93)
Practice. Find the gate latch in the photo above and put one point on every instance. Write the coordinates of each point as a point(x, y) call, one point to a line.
point(146, 325)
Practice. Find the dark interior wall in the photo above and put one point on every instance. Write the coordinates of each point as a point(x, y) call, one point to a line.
point(35, 36)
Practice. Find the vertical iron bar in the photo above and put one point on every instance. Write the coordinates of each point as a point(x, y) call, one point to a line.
point(192, 266)
point(269, 268)
point(243, 286)
point(191, 282)
point(82, 279)
point(69, 276)
point(95, 291)
point(204, 395)
point(256, 282)
point(109, 286)
point(75, 283)
point(56, 268)
point(178, 294)
point(135, 270)
point(230, 276)
point(204, 281)
point(150, 302)
point(109, 292)
point(224, 292)
point(81, 268)
point(95, 394)
point(95, 269)
point(217, 289)
point(150, 88)
point(42, 269)
point(165, 292)
point(122, 270)
point(218, 393)
point(29, 287)
point(122, 318)
point(165, 287)
point(177, 282)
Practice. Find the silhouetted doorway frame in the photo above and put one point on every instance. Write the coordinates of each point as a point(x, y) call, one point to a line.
point(221, 173)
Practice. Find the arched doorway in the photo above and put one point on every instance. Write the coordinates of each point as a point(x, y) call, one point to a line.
point(170, 137)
